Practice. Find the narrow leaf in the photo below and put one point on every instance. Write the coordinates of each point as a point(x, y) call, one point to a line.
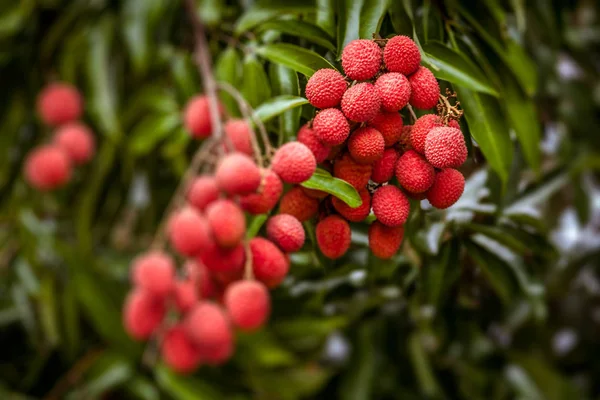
point(300, 29)
point(371, 17)
point(284, 81)
point(184, 388)
point(295, 57)
point(255, 83)
point(348, 22)
point(228, 69)
point(326, 16)
point(336, 187)
point(278, 105)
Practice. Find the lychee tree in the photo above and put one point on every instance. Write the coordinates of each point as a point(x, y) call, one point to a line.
point(285, 199)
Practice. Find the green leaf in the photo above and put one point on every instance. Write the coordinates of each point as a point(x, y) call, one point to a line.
point(334, 186)
point(184, 72)
point(284, 81)
point(264, 12)
point(357, 382)
point(185, 388)
point(278, 105)
point(295, 57)
point(150, 131)
point(422, 367)
point(348, 22)
point(109, 371)
point(441, 272)
point(228, 69)
point(211, 12)
point(326, 16)
point(13, 19)
point(254, 227)
point(255, 83)
point(48, 311)
point(300, 29)
point(371, 17)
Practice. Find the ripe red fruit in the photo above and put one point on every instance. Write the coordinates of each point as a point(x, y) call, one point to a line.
point(402, 55)
point(447, 188)
point(414, 173)
point(208, 328)
point(383, 169)
point(361, 103)
point(142, 313)
point(333, 236)
point(421, 128)
point(59, 103)
point(203, 190)
point(227, 222)
point(202, 279)
point(389, 124)
point(196, 117)
point(268, 194)
point(189, 232)
point(47, 167)
point(331, 127)
point(445, 147)
point(394, 91)
point(361, 59)
point(384, 241)
point(425, 89)
point(77, 141)
point(237, 174)
point(356, 174)
point(185, 295)
point(296, 203)
point(404, 141)
point(154, 271)
point(366, 145)
point(238, 131)
point(294, 162)
point(286, 232)
point(178, 351)
point(309, 138)
point(248, 304)
point(355, 214)
point(325, 88)
point(269, 264)
point(220, 260)
point(390, 206)
point(314, 193)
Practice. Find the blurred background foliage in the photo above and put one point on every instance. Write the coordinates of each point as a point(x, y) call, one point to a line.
point(496, 298)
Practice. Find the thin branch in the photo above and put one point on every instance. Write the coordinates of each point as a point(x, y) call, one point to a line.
point(248, 270)
point(412, 112)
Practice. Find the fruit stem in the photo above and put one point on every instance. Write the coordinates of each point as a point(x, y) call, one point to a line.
point(412, 113)
point(448, 111)
point(248, 271)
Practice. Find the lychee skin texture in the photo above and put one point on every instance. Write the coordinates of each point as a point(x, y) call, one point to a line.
point(333, 236)
point(331, 127)
point(421, 128)
point(383, 169)
point(77, 141)
point(269, 264)
point(227, 222)
point(366, 145)
point(155, 272)
point(390, 206)
point(361, 59)
point(384, 241)
point(414, 173)
point(208, 328)
point(447, 188)
point(389, 124)
point(356, 214)
point(237, 174)
point(238, 131)
point(59, 103)
point(356, 174)
point(402, 55)
point(268, 194)
point(220, 260)
point(325, 88)
point(47, 168)
point(445, 147)
point(196, 117)
point(294, 163)
point(394, 91)
point(248, 304)
point(202, 191)
point(286, 232)
point(296, 203)
point(404, 141)
point(178, 351)
point(309, 138)
point(185, 295)
point(361, 103)
point(199, 274)
point(425, 89)
point(189, 232)
point(142, 313)
point(314, 193)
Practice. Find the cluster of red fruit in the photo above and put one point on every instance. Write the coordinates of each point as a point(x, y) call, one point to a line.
point(49, 166)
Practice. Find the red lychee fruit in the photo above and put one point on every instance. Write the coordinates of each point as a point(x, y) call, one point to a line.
point(445, 147)
point(335, 152)
point(390, 206)
point(356, 174)
point(59, 103)
point(384, 241)
point(155, 272)
point(447, 188)
point(202, 191)
point(314, 193)
point(142, 313)
point(178, 351)
point(383, 169)
point(414, 173)
point(356, 214)
point(402, 55)
point(269, 264)
point(421, 128)
point(366, 145)
point(47, 167)
point(185, 295)
point(331, 127)
point(208, 328)
point(227, 222)
point(425, 89)
point(361, 59)
point(77, 141)
point(394, 91)
point(238, 131)
point(325, 88)
point(361, 103)
point(220, 260)
point(199, 274)
point(309, 138)
point(333, 236)
point(389, 124)
point(404, 141)
point(248, 304)
point(237, 174)
point(268, 194)
point(286, 232)
point(294, 163)
point(196, 117)
point(189, 232)
point(298, 204)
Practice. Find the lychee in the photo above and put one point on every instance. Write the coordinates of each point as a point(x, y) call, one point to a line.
point(361, 59)
point(298, 204)
point(178, 351)
point(402, 55)
point(404, 141)
point(325, 88)
point(383, 169)
point(421, 128)
point(227, 222)
point(425, 89)
point(414, 173)
point(154, 271)
point(185, 295)
point(333, 236)
point(208, 328)
point(267, 196)
point(390, 205)
point(393, 90)
point(356, 174)
point(47, 167)
point(142, 313)
point(389, 124)
point(309, 138)
point(355, 214)
point(77, 141)
point(238, 131)
point(59, 103)
point(237, 174)
point(366, 145)
point(199, 274)
point(248, 304)
point(202, 191)
point(384, 241)
point(189, 232)
point(218, 260)
point(294, 162)
point(331, 127)
point(197, 116)
point(286, 232)
point(445, 147)
point(269, 264)
point(315, 193)
point(361, 103)
point(447, 188)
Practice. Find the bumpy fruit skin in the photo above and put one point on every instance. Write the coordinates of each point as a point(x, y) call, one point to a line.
point(389, 124)
point(331, 127)
point(383, 170)
point(366, 145)
point(142, 313)
point(189, 232)
point(390, 206)
point(309, 138)
point(361, 59)
point(414, 173)
point(294, 162)
point(447, 188)
point(286, 232)
point(199, 274)
point(59, 103)
point(77, 141)
point(421, 128)
point(185, 295)
point(325, 88)
point(238, 132)
point(227, 222)
point(178, 351)
point(333, 236)
point(298, 204)
point(237, 174)
point(401, 54)
point(361, 103)
point(445, 147)
point(269, 264)
point(202, 191)
point(356, 174)
point(394, 91)
point(248, 304)
point(208, 328)
point(155, 272)
point(196, 117)
point(356, 214)
point(47, 167)
point(314, 193)
point(384, 241)
point(425, 89)
point(219, 260)
point(268, 194)
point(404, 141)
